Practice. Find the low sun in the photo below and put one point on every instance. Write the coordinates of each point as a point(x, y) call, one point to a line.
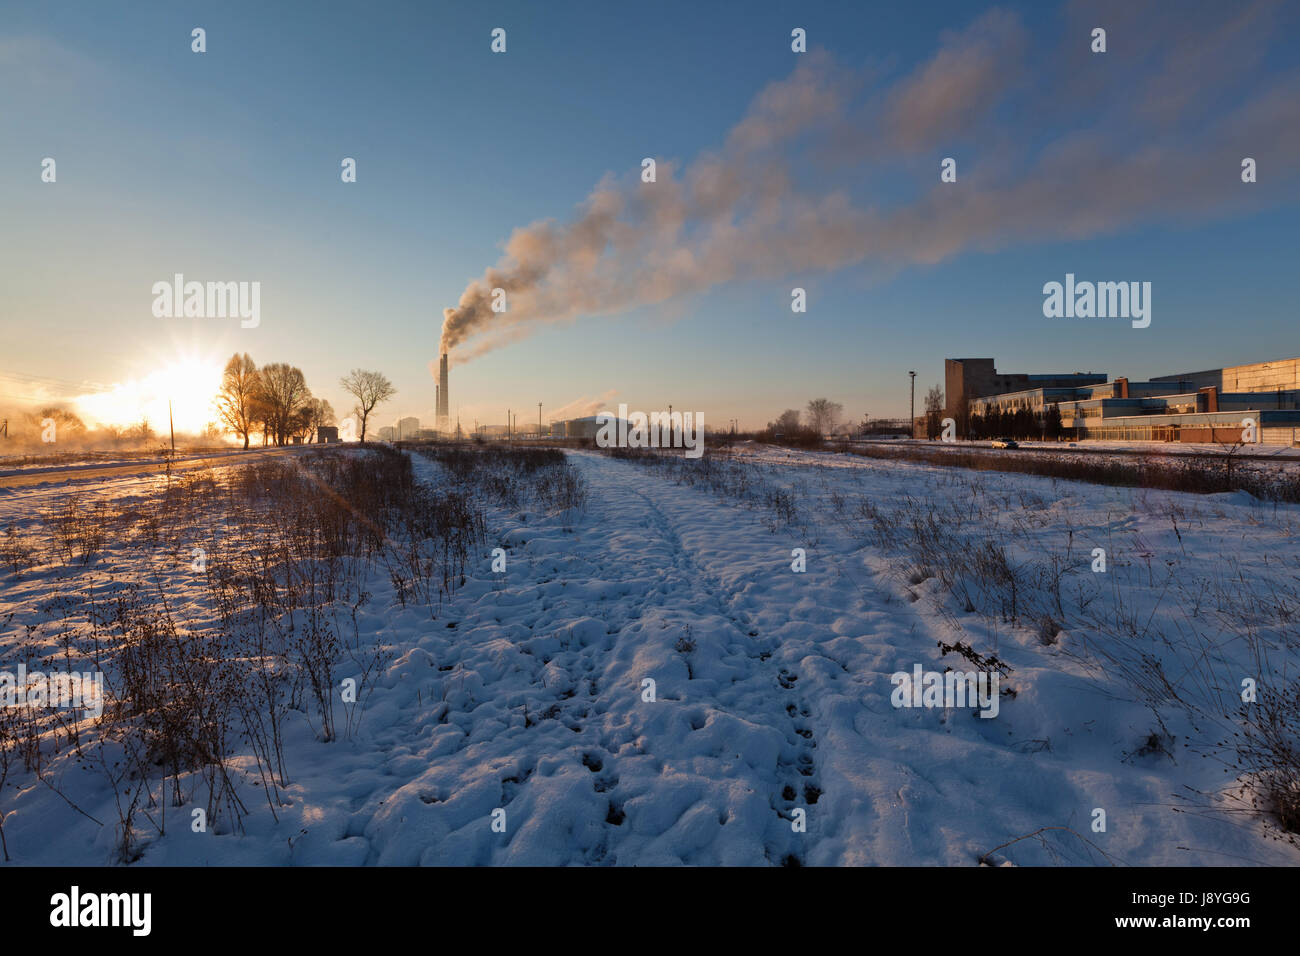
point(189, 382)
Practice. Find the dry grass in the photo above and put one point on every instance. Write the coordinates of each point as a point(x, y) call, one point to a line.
point(1195, 474)
point(196, 677)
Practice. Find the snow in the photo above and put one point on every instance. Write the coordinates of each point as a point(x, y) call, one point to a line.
point(55, 465)
point(1254, 450)
point(524, 693)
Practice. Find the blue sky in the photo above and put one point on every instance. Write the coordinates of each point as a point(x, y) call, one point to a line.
point(225, 165)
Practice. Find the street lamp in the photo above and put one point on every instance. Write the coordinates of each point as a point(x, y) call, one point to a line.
point(911, 421)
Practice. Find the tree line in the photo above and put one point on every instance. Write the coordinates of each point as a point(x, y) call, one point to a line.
point(821, 417)
point(274, 401)
point(1021, 423)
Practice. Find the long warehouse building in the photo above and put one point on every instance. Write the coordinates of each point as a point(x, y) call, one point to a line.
point(1215, 405)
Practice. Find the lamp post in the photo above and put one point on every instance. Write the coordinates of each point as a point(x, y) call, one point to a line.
point(911, 421)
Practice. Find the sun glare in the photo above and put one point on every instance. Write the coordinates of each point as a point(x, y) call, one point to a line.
point(189, 382)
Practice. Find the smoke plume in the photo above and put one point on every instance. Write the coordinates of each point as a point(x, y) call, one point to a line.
point(583, 407)
point(831, 168)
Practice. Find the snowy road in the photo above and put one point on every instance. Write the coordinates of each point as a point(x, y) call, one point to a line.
point(62, 474)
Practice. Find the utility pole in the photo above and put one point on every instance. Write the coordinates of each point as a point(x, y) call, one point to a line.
point(539, 419)
point(508, 424)
point(911, 421)
point(171, 428)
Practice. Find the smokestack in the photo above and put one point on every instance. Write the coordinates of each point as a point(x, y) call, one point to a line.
point(443, 403)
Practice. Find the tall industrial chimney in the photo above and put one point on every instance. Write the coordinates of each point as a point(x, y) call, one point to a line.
point(443, 404)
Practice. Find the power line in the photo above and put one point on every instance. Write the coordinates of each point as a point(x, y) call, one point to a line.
point(51, 382)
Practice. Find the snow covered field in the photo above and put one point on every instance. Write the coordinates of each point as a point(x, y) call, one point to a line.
point(512, 722)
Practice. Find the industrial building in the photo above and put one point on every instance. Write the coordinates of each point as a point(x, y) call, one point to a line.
point(587, 427)
point(967, 379)
point(1208, 406)
point(407, 428)
point(577, 427)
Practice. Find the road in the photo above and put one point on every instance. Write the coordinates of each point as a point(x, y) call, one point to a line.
point(151, 466)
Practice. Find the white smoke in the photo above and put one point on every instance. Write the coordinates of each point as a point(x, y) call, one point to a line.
point(1132, 140)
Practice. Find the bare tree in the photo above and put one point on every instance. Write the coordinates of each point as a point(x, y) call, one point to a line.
point(824, 415)
point(787, 422)
point(318, 412)
point(237, 398)
point(66, 424)
point(261, 412)
point(284, 391)
point(934, 411)
point(369, 389)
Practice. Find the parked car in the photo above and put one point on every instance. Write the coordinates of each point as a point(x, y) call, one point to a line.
point(1005, 443)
